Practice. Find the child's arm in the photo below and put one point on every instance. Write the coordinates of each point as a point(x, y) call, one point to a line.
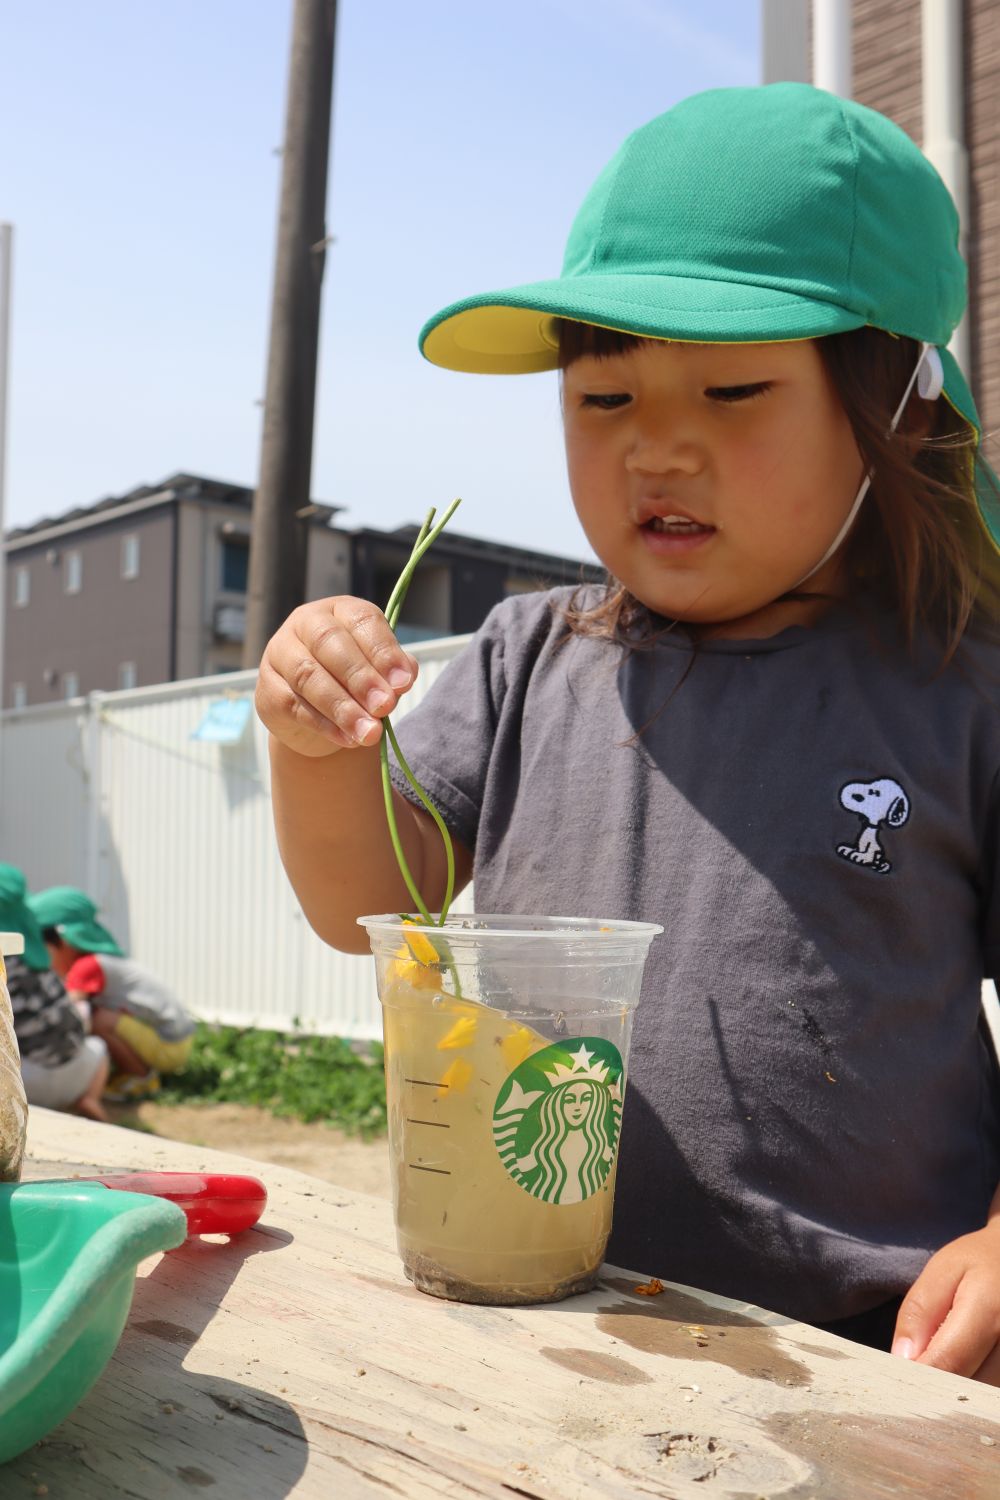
point(950, 1318)
point(81, 1004)
point(327, 677)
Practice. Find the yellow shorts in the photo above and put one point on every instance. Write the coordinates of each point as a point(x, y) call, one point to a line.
point(165, 1057)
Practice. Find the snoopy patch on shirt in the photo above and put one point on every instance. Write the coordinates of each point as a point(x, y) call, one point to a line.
point(879, 804)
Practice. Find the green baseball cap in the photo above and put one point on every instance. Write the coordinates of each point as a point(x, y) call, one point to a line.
point(744, 215)
point(17, 916)
point(72, 913)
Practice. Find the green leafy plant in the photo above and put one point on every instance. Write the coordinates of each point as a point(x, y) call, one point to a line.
point(291, 1074)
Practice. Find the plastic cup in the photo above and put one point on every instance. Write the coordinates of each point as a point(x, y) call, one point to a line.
point(506, 1048)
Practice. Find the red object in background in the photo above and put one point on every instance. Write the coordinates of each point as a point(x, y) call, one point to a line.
point(214, 1202)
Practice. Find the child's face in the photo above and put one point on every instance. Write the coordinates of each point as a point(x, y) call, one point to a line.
point(760, 480)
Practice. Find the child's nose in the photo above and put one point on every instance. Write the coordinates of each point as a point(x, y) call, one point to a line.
point(664, 453)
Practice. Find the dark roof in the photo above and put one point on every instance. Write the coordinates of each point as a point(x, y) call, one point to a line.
point(457, 544)
point(184, 486)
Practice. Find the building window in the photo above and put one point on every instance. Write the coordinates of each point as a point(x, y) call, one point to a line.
point(235, 564)
point(19, 695)
point(22, 587)
point(71, 684)
point(128, 676)
point(130, 556)
point(74, 572)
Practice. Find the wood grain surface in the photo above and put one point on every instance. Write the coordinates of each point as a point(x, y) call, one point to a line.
point(296, 1360)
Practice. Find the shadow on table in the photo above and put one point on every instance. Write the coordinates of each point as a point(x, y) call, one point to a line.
point(184, 1420)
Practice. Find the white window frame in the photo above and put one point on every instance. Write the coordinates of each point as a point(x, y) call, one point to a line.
point(71, 684)
point(74, 571)
point(22, 587)
point(128, 675)
point(130, 555)
point(19, 695)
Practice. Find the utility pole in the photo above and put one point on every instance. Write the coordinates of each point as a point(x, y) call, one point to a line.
point(6, 264)
point(280, 509)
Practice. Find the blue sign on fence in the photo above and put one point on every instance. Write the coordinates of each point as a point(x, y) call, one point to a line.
point(225, 721)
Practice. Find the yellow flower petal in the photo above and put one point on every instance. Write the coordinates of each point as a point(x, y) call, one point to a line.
point(516, 1046)
point(417, 976)
point(422, 948)
point(460, 1035)
point(456, 1079)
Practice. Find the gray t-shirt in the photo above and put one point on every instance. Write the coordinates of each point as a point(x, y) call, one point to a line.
point(812, 1103)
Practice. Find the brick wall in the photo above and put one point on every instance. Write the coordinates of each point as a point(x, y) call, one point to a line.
point(982, 41)
point(887, 64)
point(887, 60)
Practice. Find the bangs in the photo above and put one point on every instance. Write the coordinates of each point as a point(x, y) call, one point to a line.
point(579, 339)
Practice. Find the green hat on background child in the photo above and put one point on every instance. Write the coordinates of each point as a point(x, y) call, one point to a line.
point(17, 916)
point(744, 215)
point(72, 913)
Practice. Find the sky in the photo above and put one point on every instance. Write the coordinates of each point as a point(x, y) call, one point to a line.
point(140, 167)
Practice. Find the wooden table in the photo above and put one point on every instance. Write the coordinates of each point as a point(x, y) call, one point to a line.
point(296, 1360)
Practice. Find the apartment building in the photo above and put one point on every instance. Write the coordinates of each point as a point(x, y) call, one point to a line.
point(151, 586)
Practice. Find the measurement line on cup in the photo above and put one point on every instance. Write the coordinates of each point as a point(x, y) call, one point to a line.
point(437, 1124)
point(416, 1167)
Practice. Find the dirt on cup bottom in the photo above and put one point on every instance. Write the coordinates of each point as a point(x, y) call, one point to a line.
point(438, 1282)
point(503, 1174)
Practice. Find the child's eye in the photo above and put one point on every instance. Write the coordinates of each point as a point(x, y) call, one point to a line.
point(731, 393)
point(605, 402)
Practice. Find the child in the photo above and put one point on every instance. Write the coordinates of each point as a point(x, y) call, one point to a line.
point(147, 1030)
point(775, 731)
point(61, 1067)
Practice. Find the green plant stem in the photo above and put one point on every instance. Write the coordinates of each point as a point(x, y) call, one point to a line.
point(449, 851)
point(390, 813)
point(426, 537)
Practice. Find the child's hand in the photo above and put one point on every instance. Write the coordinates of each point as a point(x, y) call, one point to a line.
point(950, 1318)
point(331, 672)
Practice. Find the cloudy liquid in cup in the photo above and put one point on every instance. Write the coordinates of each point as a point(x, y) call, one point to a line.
point(503, 1146)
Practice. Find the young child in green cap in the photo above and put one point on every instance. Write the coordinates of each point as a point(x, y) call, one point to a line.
point(61, 1067)
point(146, 1029)
point(774, 731)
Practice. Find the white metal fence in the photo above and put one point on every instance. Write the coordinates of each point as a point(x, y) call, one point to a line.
point(172, 837)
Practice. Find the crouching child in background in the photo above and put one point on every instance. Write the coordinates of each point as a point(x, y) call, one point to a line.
point(147, 1030)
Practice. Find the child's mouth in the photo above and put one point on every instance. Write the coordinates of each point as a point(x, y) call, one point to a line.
point(671, 534)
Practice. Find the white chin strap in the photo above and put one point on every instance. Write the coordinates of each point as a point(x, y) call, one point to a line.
point(928, 376)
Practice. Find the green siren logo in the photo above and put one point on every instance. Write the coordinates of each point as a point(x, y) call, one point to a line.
point(557, 1118)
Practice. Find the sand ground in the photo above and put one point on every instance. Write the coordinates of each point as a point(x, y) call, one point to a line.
point(317, 1149)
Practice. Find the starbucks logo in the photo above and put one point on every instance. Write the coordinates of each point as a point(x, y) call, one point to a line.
point(557, 1119)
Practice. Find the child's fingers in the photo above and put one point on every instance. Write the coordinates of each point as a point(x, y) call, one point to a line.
point(282, 710)
point(950, 1318)
point(925, 1306)
point(353, 641)
point(334, 669)
point(968, 1336)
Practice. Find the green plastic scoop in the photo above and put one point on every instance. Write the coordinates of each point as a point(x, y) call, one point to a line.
point(68, 1255)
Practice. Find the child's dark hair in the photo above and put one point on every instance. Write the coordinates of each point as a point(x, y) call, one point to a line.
point(919, 544)
point(50, 936)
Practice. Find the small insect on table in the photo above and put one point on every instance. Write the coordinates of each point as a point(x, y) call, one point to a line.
point(295, 1359)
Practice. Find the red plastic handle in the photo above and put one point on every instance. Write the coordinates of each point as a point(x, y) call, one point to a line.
point(214, 1202)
